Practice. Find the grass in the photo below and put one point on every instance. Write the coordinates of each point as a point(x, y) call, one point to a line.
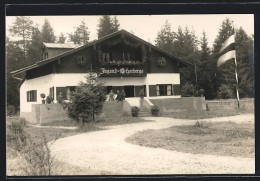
point(217, 112)
point(100, 122)
point(225, 139)
point(15, 162)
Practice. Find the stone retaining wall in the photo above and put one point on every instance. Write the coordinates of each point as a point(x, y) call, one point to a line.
point(247, 103)
point(180, 104)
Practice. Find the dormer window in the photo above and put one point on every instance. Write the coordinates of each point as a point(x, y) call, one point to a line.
point(46, 55)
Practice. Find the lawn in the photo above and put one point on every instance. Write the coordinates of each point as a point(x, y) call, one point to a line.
point(216, 112)
point(53, 133)
point(225, 139)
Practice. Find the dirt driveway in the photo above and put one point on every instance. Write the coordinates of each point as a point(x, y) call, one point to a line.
point(108, 151)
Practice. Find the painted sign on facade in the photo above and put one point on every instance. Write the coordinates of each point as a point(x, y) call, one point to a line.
point(122, 72)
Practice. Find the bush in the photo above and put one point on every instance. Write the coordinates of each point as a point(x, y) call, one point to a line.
point(225, 92)
point(188, 90)
point(135, 110)
point(39, 161)
point(10, 110)
point(16, 136)
point(155, 110)
point(87, 100)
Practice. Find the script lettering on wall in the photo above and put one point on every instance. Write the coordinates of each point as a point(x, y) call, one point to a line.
point(121, 72)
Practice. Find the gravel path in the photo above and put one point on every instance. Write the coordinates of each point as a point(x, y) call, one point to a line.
point(107, 150)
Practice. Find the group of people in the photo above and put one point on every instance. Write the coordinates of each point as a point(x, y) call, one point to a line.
point(119, 97)
point(49, 99)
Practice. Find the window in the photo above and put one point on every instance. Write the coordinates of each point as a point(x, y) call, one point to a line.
point(106, 56)
point(63, 90)
point(126, 56)
point(31, 96)
point(164, 89)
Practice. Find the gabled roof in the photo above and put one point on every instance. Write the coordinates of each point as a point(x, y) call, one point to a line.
point(46, 61)
point(60, 45)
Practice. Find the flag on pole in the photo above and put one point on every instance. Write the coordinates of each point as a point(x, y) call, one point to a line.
point(227, 51)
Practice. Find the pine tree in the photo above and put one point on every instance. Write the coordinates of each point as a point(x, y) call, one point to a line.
point(47, 32)
point(22, 29)
point(243, 51)
point(107, 26)
point(205, 76)
point(225, 74)
point(165, 38)
point(186, 48)
point(184, 45)
point(34, 48)
point(116, 24)
point(14, 60)
point(62, 38)
point(81, 34)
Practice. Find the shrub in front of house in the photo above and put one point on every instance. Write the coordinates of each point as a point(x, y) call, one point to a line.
point(135, 111)
point(155, 110)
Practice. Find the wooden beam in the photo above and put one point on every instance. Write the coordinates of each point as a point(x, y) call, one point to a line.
point(123, 35)
point(150, 49)
point(94, 46)
point(59, 61)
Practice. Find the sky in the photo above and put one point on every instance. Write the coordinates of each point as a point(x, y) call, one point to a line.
point(147, 26)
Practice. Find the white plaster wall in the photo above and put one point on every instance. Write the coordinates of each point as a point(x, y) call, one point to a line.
point(118, 81)
point(41, 84)
point(163, 78)
point(69, 79)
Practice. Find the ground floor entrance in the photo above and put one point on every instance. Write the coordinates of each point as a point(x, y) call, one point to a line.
point(130, 90)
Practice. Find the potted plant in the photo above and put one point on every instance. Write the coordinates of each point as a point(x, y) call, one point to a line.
point(155, 110)
point(135, 111)
point(43, 96)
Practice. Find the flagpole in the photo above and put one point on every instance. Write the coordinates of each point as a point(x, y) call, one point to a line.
point(238, 105)
point(196, 77)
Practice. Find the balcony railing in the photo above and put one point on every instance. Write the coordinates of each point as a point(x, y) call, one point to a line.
point(119, 63)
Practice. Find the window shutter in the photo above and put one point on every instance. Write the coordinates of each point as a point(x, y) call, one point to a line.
point(169, 90)
point(177, 89)
point(52, 92)
point(35, 96)
point(28, 96)
point(157, 90)
point(152, 90)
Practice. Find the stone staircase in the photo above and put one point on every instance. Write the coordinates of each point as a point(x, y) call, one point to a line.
point(143, 112)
